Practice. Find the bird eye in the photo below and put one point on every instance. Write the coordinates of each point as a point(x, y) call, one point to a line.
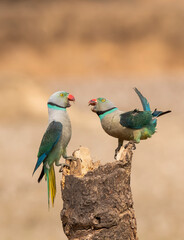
point(61, 94)
point(103, 100)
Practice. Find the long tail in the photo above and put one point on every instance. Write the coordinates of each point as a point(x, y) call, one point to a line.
point(144, 101)
point(159, 113)
point(51, 184)
point(41, 174)
point(146, 105)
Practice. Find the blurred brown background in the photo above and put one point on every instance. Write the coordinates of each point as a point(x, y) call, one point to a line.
point(91, 49)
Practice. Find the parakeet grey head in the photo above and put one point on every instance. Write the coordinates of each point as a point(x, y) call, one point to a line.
point(60, 99)
point(101, 105)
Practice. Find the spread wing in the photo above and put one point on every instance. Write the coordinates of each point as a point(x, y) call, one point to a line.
point(49, 140)
point(135, 119)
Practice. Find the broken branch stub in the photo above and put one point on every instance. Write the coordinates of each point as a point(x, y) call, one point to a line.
point(97, 199)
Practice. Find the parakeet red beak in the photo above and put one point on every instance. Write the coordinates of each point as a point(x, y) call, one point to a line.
point(71, 98)
point(92, 102)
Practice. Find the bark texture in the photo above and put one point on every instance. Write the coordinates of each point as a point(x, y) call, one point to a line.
point(97, 199)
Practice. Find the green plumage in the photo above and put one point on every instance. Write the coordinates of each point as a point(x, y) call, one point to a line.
point(136, 119)
point(50, 137)
point(47, 156)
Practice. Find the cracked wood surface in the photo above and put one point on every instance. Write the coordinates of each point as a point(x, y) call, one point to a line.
point(97, 199)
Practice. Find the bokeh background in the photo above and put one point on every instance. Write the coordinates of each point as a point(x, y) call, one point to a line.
point(91, 48)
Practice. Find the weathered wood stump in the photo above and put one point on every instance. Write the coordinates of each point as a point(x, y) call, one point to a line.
point(97, 199)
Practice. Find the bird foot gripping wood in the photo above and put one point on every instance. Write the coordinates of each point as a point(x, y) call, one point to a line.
point(127, 149)
point(131, 144)
point(64, 165)
point(67, 163)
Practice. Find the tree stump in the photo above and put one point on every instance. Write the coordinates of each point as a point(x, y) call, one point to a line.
point(97, 199)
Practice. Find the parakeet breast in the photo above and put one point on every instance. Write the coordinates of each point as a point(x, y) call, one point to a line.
point(111, 125)
point(67, 131)
point(60, 147)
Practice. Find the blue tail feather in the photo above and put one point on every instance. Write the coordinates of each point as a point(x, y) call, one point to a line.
point(159, 113)
point(144, 101)
point(39, 161)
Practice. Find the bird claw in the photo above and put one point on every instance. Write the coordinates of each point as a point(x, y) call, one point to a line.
point(70, 158)
point(130, 143)
point(64, 165)
point(116, 153)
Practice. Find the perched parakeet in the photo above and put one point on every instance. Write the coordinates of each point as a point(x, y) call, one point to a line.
point(131, 126)
point(55, 140)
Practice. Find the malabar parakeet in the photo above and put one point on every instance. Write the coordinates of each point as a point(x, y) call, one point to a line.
point(55, 140)
point(131, 126)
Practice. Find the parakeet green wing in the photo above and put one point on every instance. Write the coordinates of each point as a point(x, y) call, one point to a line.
point(49, 140)
point(135, 119)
